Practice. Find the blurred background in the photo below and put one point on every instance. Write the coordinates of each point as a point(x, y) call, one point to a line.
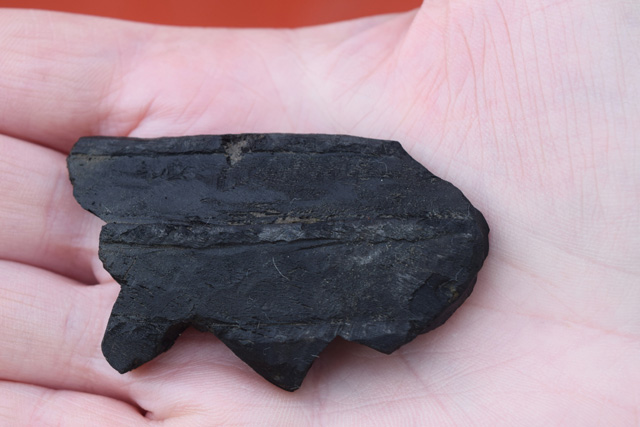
point(225, 13)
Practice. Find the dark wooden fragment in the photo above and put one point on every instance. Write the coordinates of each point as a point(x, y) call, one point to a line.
point(276, 243)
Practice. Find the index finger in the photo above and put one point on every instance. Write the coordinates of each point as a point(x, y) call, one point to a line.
point(59, 75)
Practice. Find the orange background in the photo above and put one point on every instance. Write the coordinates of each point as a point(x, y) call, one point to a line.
point(225, 13)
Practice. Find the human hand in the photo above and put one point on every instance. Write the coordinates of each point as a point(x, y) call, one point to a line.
point(532, 112)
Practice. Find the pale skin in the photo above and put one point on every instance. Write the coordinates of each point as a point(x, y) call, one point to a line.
point(530, 107)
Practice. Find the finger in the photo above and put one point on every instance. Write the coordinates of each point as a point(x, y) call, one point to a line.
point(67, 76)
point(42, 224)
point(51, 331)
point(51, 337)
point(28, 405)
point(58, 71)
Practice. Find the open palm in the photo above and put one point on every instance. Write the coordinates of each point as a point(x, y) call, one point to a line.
point(532, 112)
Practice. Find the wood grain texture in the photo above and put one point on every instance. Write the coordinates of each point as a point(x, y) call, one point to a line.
point(276, 243)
